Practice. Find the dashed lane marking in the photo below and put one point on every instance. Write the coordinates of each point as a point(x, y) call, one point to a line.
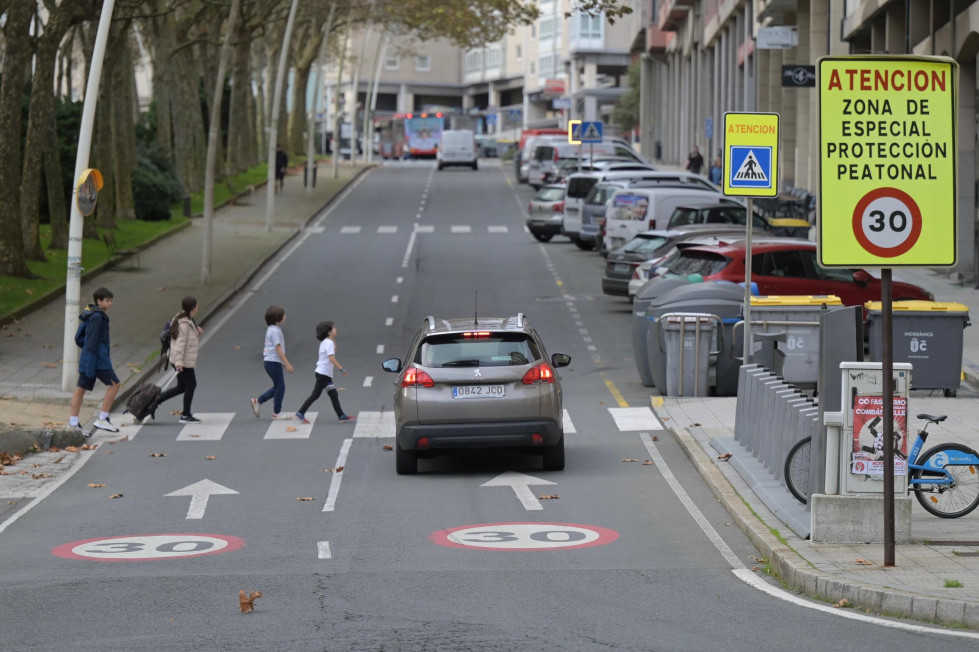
point(349, 229)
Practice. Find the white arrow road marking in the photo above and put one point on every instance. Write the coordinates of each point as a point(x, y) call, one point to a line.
point(199, 493)
point(520, 484)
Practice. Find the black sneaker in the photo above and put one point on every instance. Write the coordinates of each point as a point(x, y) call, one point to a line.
point(187, 418)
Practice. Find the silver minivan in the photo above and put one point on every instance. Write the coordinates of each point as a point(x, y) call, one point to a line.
point(457, 147)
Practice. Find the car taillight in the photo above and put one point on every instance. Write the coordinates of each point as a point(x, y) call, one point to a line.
point(414, 376)
point(601, 225)
point(555, 154)
point(558, 207)
point(652, 224)
point(636, 275)
point(530, 207)
point(542, 373)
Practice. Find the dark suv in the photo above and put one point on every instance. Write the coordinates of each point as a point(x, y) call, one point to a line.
point(477, 384)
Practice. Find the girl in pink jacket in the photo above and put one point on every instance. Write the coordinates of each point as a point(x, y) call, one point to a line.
point(185, 335)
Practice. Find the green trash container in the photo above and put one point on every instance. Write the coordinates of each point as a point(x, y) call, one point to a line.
point(928, 334)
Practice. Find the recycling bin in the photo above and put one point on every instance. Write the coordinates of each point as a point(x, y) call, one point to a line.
point(687, 339)
point(798, 318)
point(646, 295)
point(927, 334)
point(720, 298)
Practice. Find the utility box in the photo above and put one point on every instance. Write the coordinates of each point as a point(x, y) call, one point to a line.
point(798, 318)
point(927, 334)
point(686, 339)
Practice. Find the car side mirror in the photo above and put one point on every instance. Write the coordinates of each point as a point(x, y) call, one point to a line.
point(392, 364)
point(560, 360)
point(861, 277)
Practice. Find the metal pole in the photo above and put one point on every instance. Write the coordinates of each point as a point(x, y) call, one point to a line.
point(274, 122)
point(73, 282)
point(887, 368)
point(354, 131)
point(377, 82)
point(746, 354)
point(317, 93)
point(212, 149)
point(336, 101)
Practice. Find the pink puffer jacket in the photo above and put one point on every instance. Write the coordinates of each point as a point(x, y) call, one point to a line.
point(183, 350)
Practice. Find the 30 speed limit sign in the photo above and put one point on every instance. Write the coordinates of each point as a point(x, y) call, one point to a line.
point(887, 222)
point(524, 537)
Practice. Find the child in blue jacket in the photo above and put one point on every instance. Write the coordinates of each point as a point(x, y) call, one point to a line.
point(94, 362)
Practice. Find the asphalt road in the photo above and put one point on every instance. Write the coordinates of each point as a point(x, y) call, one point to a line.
point(616, 559)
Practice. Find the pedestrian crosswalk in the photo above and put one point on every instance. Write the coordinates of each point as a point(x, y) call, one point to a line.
point(424, 228)
point(214, 426)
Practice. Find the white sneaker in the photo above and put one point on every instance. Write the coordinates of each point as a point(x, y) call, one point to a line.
point(256, 407)
point(105, 424)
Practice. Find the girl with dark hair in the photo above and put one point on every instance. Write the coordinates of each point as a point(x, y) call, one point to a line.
point(274, 358)
point(185, 344)
point(326, 333)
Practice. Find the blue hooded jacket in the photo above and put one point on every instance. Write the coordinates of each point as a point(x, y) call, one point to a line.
point(95, 353)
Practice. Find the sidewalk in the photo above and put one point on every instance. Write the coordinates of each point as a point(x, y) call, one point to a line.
point(33, 408)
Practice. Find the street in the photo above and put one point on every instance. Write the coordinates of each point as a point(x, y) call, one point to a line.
point(479, 551)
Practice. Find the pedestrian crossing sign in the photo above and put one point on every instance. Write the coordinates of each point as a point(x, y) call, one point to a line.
point(751, 154)
point(584, 132)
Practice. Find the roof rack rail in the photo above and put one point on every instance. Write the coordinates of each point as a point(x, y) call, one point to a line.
point(520, 320)
point(431, 322)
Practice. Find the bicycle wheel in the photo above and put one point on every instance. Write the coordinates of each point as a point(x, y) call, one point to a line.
point(949, 501)
point(797, 469)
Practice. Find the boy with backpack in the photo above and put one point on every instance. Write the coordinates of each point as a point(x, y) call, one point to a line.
point(94, 362)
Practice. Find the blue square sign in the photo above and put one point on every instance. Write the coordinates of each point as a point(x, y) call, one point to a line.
point(751, 167)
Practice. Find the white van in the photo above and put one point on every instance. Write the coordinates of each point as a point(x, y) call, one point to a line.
point(633, 210)
point(580, 184)
point(457, 147)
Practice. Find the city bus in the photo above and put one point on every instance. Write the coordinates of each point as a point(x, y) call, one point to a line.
point(409, 135)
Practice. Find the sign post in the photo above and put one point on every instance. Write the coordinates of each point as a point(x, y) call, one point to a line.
point(887, 186)
point(750, 170)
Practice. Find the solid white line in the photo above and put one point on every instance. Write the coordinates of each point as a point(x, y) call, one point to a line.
point(323, 550)
point(380, 349)
point(331, 497)
point(411, 245)
point(368, 381)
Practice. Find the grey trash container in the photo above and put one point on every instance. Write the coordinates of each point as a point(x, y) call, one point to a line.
point(644, 298)
point(929, 335)
point(721, 298)
point(687, 339)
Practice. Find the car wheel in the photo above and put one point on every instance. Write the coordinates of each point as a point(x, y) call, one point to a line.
point(583, 245)
point(543, 237)
point(440, 167)
point(405, 462)
point(475, 165)
point(553, 457)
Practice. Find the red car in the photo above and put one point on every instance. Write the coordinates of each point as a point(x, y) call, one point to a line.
point(781, 266)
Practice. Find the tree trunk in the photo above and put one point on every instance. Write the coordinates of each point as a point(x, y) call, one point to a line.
point(124, 128)
point(16, 34)
point(58, 209)
point(297, 119)
point(188, 125)
point(162, 47)
point(241, 124)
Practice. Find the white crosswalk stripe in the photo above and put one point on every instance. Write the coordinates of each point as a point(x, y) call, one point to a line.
point(628, 419)
point(350, 229)
point(424, 228)
point(290, 428)
point(211, 428)
point(497, 229)
point(387, 229)
point(374, 424)
point(461, 229)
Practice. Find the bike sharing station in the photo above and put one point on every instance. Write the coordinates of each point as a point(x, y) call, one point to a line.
point(887, 137)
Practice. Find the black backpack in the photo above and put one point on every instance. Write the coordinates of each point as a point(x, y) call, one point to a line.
point(165, 341)
point(144, 401)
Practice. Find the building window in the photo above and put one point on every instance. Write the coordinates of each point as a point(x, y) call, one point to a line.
point(474, 61)
point(533, 31)
point(532, 68)
point(493, 58)
point(547, 65)
point(519, 53)
point(423, 62)
point(550, 27)
point(392, 62)
point(588, 27)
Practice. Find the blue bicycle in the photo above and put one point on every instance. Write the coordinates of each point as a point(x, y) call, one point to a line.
point(944, 479)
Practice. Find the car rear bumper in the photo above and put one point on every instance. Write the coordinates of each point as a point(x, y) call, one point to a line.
point(480, 435)
point(615, 286)
point(544, 228)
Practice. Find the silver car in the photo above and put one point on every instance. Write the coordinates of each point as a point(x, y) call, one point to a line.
point(477, 384)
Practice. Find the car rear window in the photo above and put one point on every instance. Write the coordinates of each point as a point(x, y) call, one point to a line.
point(600, 195)
point(644, 245)
point(579, 187)
point(704, 263)
point(477, 349)
point(550, 194)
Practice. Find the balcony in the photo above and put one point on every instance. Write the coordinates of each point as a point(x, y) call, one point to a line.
point(657, 40)
point(673, 13)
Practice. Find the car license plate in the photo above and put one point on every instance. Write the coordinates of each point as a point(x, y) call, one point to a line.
point(478, 391)
point(621, 268)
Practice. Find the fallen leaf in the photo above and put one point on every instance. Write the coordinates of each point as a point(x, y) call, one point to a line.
point(862, 562)
point(38, 476)
point(158, 454)
point(549, 497)
point(29, 291)
point(71, 449)
point(387, 447)
point(89, 447)
point(134, 371)
point(210, 457)
point(629, 459)
point(54, 449)
point(754, 569)
point(110, 452)
point(305, 498)
point(2, 472)
point(131, 364)
point(725, 456)
point(161, 289)
point(96, 486)
point(194, 436)
point(695, 425)
point(728, 524)
point(35, 465)
point(116, 496)
point(655, 437)
point(329, 470)
point(247, 601)
point(50, 365)
point(842, 603)
point(11, 502)
point(647, 463)
point(238, 346)
point(758, 559)
point(339, 469)
point(290, 428)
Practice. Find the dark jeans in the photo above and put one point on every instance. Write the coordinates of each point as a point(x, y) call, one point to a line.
point(186, 384)
point(278, 389)
point(323, 382)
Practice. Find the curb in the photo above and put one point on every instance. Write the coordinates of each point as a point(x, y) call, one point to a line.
point(798, 574)
point(22, 442)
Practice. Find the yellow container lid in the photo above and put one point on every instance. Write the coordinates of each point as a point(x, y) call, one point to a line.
point(800, 300)
point(789, 221)
point(919, 306)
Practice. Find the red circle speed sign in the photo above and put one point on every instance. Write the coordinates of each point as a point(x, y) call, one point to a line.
point(887, 222)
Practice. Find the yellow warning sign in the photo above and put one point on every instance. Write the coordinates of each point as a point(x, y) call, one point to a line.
point(751, 154)
point(887, 176)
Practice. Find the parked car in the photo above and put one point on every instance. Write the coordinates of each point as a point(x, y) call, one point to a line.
point(487, 147)
point(545, 211)
point(477, 383)
point(731, 213)
point(784, 266)
point(633, 210)
point(549, 151)
point(623, 263)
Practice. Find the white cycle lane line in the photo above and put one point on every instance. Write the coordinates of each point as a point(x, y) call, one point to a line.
point(749, 577)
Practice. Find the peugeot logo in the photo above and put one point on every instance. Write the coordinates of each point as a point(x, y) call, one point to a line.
point(477, 374)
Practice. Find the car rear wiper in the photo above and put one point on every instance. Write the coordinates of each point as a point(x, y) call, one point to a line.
point(461, 363)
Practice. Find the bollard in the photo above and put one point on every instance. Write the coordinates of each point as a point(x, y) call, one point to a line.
point(187, 206)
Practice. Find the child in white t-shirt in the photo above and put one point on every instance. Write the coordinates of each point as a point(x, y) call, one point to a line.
point(274, 357)
point(326, 333)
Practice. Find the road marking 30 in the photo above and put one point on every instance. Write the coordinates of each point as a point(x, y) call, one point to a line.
point(524, 537)
point(148, 547)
